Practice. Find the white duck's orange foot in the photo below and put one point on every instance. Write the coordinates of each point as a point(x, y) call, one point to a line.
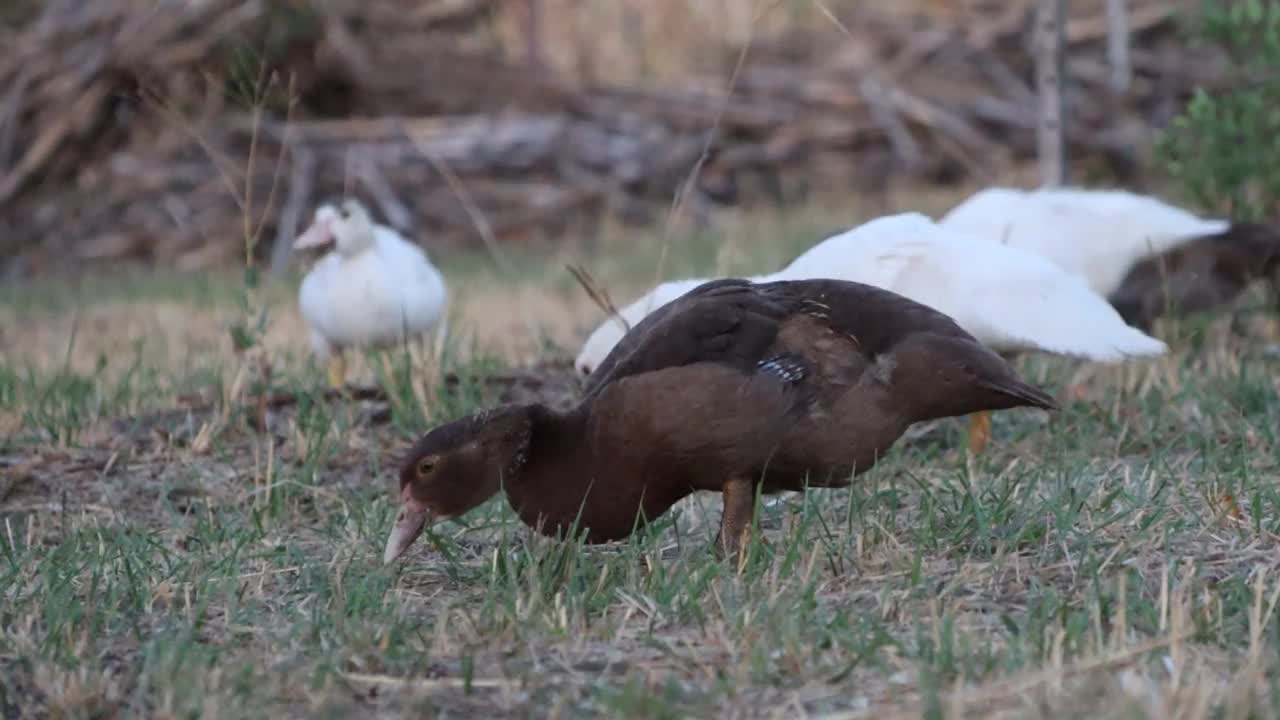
point(979, 431)
point(337, 371)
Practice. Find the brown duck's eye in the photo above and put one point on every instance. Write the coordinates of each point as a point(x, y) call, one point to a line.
point(426, 465)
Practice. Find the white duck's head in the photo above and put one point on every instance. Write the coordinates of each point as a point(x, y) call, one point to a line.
point(347, 226)
point(598, 345)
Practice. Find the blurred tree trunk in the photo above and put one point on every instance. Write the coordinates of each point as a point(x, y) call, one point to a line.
point(1118, 45)
point(533, 35)
point(1050, 34)
point(633, 37)
point(584, 48)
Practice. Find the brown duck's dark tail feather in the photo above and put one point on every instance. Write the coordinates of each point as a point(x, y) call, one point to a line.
point(1260, 236)
point(1259, 243)
point(1023, 395)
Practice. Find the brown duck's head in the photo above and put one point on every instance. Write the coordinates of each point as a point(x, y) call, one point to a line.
point(455, 468)
point(944, 376)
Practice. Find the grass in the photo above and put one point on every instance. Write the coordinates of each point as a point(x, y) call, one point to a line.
point(163, 555)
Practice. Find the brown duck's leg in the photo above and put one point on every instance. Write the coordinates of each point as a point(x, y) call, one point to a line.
point(979, 431)
point(735, 522)
point(337, 370)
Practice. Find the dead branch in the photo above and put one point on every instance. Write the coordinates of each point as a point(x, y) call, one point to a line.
point(123, 133)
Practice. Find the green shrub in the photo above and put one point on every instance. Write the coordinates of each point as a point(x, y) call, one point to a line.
point(1224, 148)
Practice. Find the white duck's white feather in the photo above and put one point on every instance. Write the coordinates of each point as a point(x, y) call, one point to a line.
point(373, 293)
point(1009, 299)
point(1096, 234)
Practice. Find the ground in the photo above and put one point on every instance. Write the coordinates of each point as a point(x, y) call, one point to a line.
point(183, 534)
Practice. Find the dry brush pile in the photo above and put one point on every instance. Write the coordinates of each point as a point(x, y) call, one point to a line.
point(169, 133)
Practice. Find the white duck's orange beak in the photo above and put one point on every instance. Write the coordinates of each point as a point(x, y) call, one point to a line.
point(410, 523)
point(320, 233)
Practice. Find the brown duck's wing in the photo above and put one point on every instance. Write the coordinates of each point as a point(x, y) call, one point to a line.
point(824, 326)
point(877, 318)
point(726, 321)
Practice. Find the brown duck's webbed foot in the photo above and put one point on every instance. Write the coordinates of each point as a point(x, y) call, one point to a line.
point(979, 431)
point(735, 522)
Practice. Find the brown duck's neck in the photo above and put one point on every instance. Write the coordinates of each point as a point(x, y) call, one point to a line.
point(556, 471)
point(577, 470)
point(555, 434)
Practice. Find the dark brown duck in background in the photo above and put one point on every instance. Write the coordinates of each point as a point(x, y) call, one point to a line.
point(1203, 274)
point(732, 386)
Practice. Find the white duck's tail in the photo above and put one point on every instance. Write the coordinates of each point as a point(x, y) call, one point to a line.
point(1109, 341)
point(1098, 339)
point(1095, 332)
point(1128, 341)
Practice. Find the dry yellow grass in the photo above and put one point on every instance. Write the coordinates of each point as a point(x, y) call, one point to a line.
point(509, 315)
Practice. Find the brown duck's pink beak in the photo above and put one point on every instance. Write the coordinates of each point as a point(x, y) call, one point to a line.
point(411, 521)
point(320, 233)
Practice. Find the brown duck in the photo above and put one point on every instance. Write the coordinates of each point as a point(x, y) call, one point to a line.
point(732, 387)
point(1203, 274)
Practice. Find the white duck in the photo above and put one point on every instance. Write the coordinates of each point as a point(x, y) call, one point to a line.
point(1009, 299)
point(1096, 234)
point(375, 287)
